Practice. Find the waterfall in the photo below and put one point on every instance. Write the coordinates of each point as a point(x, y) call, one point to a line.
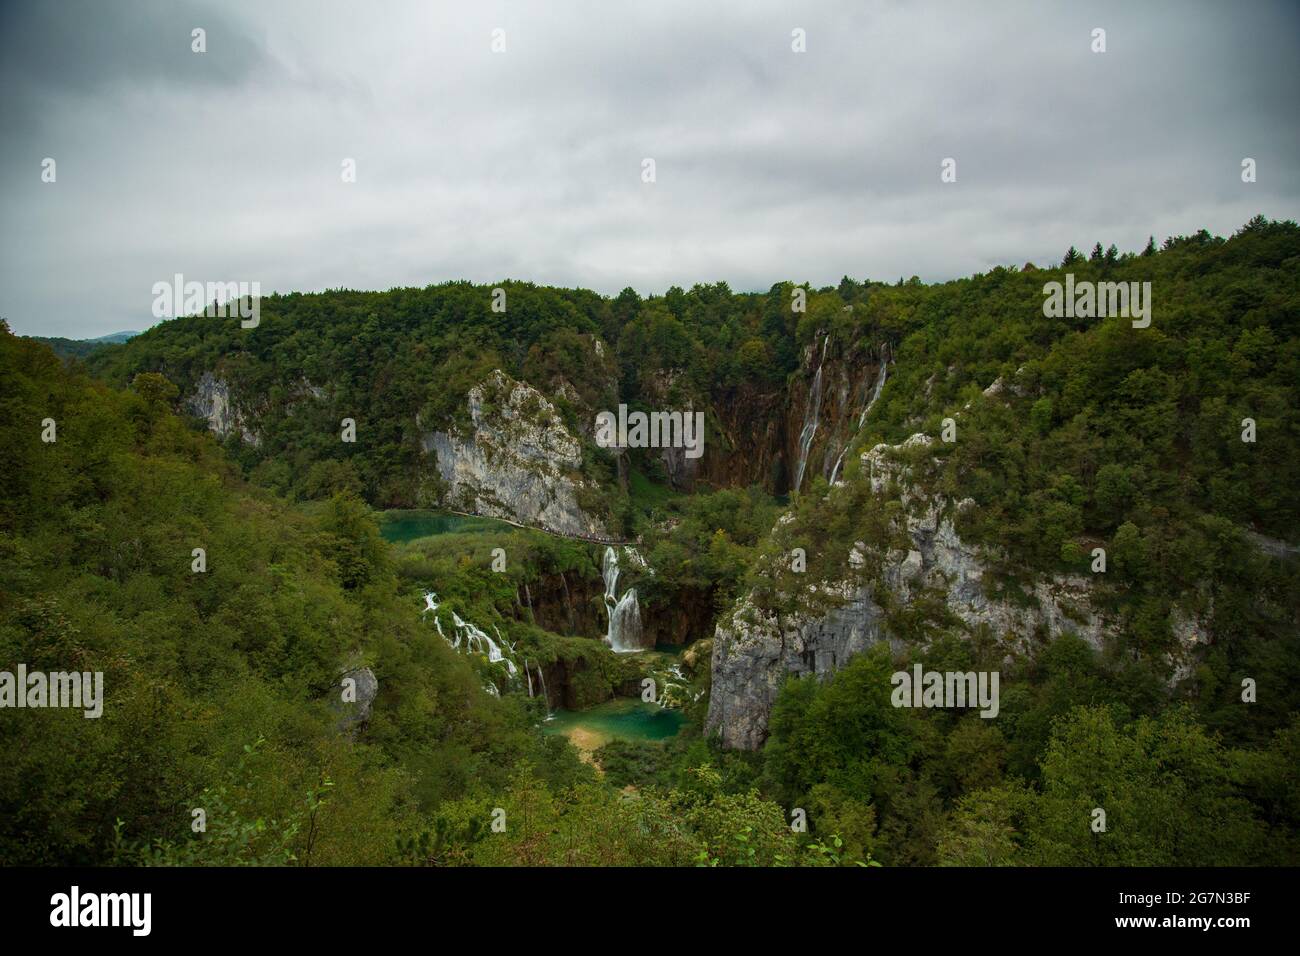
point(542, 677)
point(625, 623)
point(625, 633)
point(810, 416)
point(478, 641)
point(609, 571)
point(568, 603)
point(862, 419)
point(473, 637)
point(838, 461)
point(880, 383)
point(546, 698)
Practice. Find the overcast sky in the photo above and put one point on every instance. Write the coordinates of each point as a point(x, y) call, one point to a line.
point(527, 164)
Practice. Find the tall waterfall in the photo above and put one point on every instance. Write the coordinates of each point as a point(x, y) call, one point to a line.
point(624, 633)
point(811, 416)
point(880, 383)
point(546, 698)
point(862, 419)
point(839, 461)
point(609, 571)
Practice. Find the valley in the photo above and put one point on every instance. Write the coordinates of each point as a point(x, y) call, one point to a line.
point(470, 600)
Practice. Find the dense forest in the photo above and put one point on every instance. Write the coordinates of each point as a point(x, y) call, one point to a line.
point(222, 686)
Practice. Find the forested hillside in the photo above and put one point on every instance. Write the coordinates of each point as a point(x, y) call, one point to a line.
point(220, 685)
point(971, 547)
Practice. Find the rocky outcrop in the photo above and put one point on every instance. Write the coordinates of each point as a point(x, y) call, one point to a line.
point(211, 402)
point(516, 460)
point(358, 689)
point(940, 559)
point(754, 650)
point(1191, 634)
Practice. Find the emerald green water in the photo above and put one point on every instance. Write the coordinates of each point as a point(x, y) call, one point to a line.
point(620, 719)
point(400, 527)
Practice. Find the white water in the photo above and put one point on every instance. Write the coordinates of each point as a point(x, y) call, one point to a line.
point(609, 571)
point(862, 419)
point(838, 461)
point(625, 632)
point(880, 383)
point(546, 698)
point(473, 637)
point(637, 559)
point(478, 641)
point(811, 416)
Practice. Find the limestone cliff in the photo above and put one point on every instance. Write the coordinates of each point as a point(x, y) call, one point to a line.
point(754, 650)
point(515, 460)
point(211, 401)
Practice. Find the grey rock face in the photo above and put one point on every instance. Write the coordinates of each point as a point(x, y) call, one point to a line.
point(211, 401)
point(1191, 634)
point(517, 461)
point(366, 687)
point(753, 651)
point(940, 559)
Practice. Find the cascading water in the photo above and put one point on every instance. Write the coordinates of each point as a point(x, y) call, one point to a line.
point(862, 419)
point(546, 698)
point(476, 640)
point(838, 461)
point(811, 416)
point(473, 637)
point(625, 624)
point(609, 571)
point(880, 383)
point(625, 633)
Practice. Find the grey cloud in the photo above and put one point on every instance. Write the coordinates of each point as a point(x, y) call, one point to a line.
point(771, 165)
point(87, 47)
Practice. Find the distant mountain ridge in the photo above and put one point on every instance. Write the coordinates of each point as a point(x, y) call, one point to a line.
point(80, 348)
point(112, 337)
